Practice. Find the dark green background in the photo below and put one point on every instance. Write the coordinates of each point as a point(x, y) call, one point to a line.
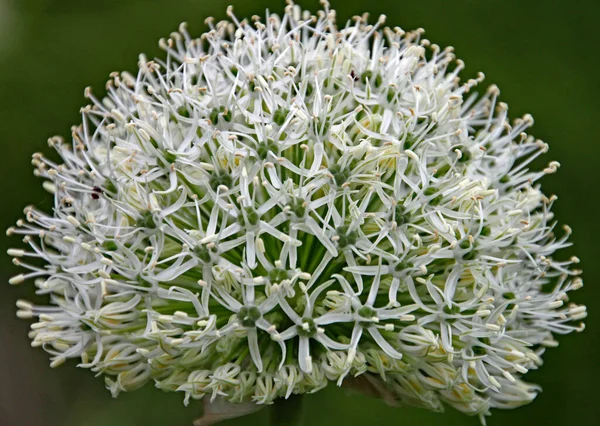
point(542, 54)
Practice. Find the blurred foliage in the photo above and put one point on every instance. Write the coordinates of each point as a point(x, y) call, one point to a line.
point(542, 55)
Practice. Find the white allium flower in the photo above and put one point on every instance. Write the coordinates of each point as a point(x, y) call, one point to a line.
point(281, 204)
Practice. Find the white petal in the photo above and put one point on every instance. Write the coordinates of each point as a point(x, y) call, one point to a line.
point(254, 349)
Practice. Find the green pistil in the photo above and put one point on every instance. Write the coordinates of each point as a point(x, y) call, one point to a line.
point(279, 116)
point(248, 315)
point(146, 220)
point(340, 176)
point(264, 147)
point(203, 253)
point(109, 245)
point(170, 158)
point(390, 95)
point(277, 275)
point(346, 237)
point(479, 350)
point(297, 207)
point(307, 332)
point(368, 314)
point(466, 245)
point(466, 154)
point(218, 114)
point(400, 215)
point(323, 127)
point(368, 75)
point(409, 142)
point(143, 283)
point(252, 217)
point(218, 179)
point(110, 186)
point(402, 266)
point(331, 85)
point(470, 255)
point(309, 89)
point(452, 310)
point(183, 111)
point(441, 171)
point(435, 200)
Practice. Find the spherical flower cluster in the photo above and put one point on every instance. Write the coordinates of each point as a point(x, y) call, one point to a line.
point(285, 203)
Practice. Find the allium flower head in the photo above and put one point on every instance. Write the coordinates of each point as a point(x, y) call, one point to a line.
point(285, 203)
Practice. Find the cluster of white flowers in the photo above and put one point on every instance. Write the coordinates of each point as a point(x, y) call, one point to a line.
point(284, 203)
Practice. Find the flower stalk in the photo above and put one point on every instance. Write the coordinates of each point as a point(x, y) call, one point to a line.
point(288, 412)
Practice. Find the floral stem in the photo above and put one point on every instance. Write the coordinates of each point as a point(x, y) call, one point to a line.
point(287, 412)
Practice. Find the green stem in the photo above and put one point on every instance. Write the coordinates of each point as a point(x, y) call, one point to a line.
point(287, 412)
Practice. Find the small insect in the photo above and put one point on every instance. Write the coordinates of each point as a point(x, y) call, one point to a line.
point(96, 193)
point(353, 75)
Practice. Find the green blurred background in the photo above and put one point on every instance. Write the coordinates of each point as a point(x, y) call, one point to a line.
point(542, 54)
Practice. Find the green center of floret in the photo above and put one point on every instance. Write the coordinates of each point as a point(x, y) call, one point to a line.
point(308, 328)
point(248, 315)
point(340, 175)
point(252, 217)
point(400, 215)
point(204, 253)
point(218, 115)
point(346, 236)
point(147, 220)
point(264, 148)
point(218, 179)
point(277, 275)
point(298, 208)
